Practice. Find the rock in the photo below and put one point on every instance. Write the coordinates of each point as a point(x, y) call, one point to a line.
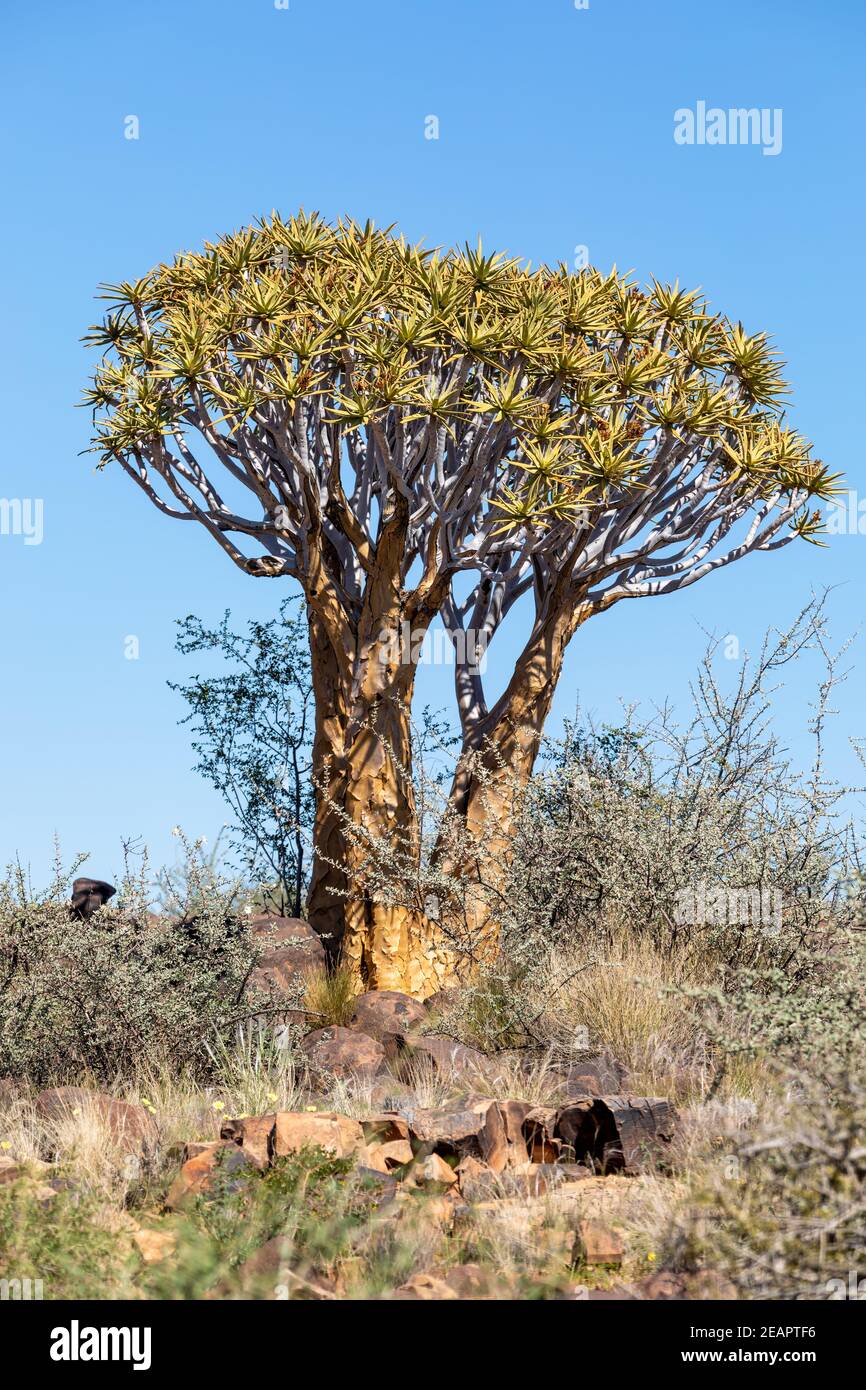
point(539, 1131)
point(223, 1162)
point(15, 1170)
point(617, 1133)
point(154, 1246)
point(337, 1134)
point(445, 1056)
point(434, 1172)
point(342, 1054)
point(255, 1134)
point(593, 1076)
point(129, 1127)
point(537, 1179)
point(477, 1131)
point(387, 1127)
point(596, 1243)
point(290, 948)
point(269, 1265)
point(426, 1288)
point(88, 896)
point(389, 1017)
point(386, 1157)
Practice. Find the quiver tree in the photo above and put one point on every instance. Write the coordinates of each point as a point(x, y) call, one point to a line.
point(409, 434)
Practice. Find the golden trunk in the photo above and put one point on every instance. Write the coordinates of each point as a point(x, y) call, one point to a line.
point(497, 763)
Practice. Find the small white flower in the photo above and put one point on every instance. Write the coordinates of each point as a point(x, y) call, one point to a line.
point(175, 830)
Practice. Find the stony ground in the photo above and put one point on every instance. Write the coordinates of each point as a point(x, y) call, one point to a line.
point(394, 1163)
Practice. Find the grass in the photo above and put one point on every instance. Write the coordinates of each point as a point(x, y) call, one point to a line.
point(309, 1227)
point(329, 998)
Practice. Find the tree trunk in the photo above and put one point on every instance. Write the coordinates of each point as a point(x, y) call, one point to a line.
point(326, 898)
point(366, 822)
point(497, 762)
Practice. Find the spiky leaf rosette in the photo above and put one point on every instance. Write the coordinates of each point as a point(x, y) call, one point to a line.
point(297, 386)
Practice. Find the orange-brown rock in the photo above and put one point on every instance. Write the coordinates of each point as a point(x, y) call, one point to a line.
point(255, 1134)
point(596, 1243)
point(476, 1130)
point(337, 1134)
point(222, 1161)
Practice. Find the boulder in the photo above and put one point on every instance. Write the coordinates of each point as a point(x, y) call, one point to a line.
point(433, 1172)
point(476, 1131)
point(211, 1163)
point(446, 1056)
point(593, 1076)
point(255, 1134)
point(88, 896)
point(596, 1243)
point(616, 1134)
point(342, 1054)
point(337, 1134)
point(290, 948)
point(128, 1126)
point(389, 1017)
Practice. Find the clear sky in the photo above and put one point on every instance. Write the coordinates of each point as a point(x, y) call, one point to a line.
point(556, 131)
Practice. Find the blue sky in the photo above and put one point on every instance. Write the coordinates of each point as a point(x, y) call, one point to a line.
point(555, 131)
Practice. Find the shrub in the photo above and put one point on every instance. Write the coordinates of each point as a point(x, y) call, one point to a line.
point(105, 995)
point(782, 1213)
